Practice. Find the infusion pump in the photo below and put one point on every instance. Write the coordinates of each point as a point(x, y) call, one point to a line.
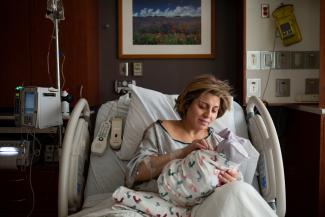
point(38, 107)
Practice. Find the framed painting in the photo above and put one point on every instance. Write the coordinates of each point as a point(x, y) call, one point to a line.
point(166, 29)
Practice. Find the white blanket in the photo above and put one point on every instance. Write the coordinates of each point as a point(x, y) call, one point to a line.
point(231, 200)
point(187, 182)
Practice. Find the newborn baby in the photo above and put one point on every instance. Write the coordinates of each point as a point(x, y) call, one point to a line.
point(186, 182)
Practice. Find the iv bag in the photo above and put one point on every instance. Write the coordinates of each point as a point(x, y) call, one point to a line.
point(54, 10)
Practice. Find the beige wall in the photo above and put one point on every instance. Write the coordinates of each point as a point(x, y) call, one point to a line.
point(260, 36)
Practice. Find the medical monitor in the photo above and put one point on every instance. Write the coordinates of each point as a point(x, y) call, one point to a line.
point(40, 107)
point(29, 106)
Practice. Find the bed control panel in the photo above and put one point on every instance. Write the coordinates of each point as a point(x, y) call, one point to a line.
point(116, 134)
point(100, 141)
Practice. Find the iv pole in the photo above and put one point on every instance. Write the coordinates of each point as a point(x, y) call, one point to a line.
point(55, 12)
point(57, 54)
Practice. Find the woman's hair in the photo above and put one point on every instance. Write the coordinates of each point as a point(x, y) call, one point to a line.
point(204, 84)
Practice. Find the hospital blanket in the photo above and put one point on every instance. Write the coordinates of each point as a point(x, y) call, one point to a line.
point(148, 203)
point(186, 182)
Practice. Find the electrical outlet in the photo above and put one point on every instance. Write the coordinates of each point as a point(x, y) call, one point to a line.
point(282, 59)
point(122, 86)
point(282, 88)
point(311, 86)
point(253, 87)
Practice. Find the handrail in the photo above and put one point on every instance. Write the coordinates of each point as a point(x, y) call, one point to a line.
point(274, 143)
point(80, 109)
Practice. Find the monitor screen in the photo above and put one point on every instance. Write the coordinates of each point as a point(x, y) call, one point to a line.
point(29, 102)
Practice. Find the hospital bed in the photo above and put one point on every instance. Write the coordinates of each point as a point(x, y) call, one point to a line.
point(87, 180)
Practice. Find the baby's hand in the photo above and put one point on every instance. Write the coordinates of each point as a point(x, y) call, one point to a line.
point(227, 176)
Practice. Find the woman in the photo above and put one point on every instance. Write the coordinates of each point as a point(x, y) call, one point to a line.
point(202, 101)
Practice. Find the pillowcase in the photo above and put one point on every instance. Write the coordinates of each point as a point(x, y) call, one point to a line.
point(146, 107)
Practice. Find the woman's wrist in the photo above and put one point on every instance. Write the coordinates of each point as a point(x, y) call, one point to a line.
point(179, 154)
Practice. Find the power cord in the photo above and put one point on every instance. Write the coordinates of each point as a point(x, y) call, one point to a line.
point(270, 69)
point(31, 188)
point(34, 153)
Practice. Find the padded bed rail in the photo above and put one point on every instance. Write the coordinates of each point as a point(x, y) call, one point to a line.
point(270, 166)
point(76, 140)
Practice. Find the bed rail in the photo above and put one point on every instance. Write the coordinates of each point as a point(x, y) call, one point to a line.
point(274, 159)
point(81, 110)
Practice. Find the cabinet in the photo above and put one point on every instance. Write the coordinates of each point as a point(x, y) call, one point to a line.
point(26, 35)
point(321, 190)
point(18, 198)
point(304, 161)
point(34, 188)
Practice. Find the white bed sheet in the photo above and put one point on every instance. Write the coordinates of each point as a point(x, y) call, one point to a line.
point(237, 197)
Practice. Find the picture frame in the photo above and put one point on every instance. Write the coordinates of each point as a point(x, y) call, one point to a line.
point(179, 38)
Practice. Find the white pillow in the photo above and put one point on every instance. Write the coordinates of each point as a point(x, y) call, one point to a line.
point(146, 107)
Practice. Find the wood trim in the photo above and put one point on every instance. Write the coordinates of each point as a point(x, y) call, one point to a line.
point(119, 26)
point(92, 52)
point(244, 53)
point(166, 56)
point(322, 56)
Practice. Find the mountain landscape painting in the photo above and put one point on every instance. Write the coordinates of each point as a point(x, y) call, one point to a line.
point(166, 22)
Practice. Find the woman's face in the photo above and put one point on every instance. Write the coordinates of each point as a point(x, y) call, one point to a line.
point(203, 110)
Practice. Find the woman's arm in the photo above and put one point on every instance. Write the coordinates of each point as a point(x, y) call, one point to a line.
point(152, 166)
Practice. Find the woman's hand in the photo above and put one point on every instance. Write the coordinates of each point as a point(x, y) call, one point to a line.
point(228, 176)
point(196, 145)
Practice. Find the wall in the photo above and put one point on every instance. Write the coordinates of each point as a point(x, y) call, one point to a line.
point(260, 36)
point(170, 75)
point(26, 35)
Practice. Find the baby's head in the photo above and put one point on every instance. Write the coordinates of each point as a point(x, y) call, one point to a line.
point(232, 147)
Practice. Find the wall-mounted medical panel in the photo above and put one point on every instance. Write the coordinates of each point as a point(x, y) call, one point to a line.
point(267, 60)
point(257, 60)
point(282, 60)
point(311, 86)
point(311, 59)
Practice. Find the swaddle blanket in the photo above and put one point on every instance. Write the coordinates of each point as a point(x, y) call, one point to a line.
point(186, 182)
point(148, 203)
